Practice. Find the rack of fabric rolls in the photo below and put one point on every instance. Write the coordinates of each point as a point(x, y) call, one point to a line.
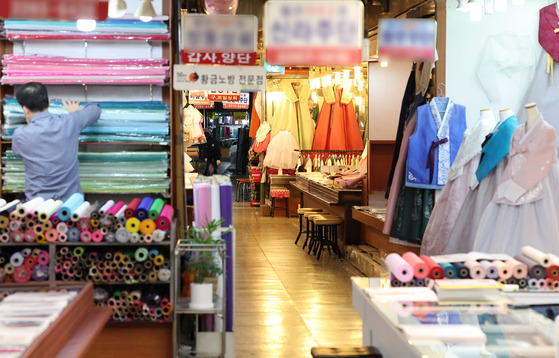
point(115, 245)
point(531, 269)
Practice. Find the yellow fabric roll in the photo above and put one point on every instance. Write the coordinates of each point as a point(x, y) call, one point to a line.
point(132, 225)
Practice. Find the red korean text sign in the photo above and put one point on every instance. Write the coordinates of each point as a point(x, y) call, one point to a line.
point(54, 9)
point(313, 33)
point(222, 96)
point(219, 58)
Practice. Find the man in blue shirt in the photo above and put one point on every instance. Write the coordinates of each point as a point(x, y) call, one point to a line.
point(48, 144)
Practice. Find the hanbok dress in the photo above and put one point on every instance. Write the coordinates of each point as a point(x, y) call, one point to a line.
point(525, 207)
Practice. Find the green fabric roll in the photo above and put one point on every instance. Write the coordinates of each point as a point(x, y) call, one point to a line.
point(155, 209)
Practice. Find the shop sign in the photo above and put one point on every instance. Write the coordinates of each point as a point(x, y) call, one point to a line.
point(224, 78)
point(54, 9)
point(273, 68)
point(219, 58)
point(407, 39)
point(219, 39)
point(198, 98)
point(223, 96)
point(313, 33)
point(242, 103)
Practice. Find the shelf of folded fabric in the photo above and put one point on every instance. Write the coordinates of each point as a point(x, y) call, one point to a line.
point(105, 172)
point(144, 122)
point(117, 29)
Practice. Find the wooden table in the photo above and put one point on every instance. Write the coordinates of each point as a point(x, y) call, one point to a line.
point(372, 234)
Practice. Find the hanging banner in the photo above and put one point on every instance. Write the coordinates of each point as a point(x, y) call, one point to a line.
point(242, 103)
point(413, 40)
point(313, 33)
point(224, 78)
point(222, 96)
point(54, 9)
point(219, 39)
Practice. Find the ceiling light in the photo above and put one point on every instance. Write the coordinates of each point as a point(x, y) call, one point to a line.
point(117, 8)
point(145, 11)
point(383, 64)
point(86, 25)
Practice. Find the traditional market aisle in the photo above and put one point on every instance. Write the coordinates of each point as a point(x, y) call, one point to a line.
point(288, 301)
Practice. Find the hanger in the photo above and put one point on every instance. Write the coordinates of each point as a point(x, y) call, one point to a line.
point(440, 90)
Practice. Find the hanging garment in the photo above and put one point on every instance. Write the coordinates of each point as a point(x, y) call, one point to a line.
point(283, 152)
point(525, 208)
point(192, 126)
point(463, 234)
point(293, 114)
point(451, 198)
point(337, 127)
point(435, 142)
point(256, 115)
point(496, 148)
point(262, 138)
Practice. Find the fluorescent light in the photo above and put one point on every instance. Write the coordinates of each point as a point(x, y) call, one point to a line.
point(337, 78)
point(501, 5)
point(86, 25)
point(383, 64)
point(117, 8)
point(145, 11)
point(346, 74)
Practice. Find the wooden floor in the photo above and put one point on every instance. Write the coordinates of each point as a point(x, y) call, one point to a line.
point(287, 301)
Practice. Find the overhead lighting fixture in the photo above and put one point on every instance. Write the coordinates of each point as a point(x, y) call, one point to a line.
point(501, 5)
point(117, 8)
point(346, 74)
point(357, 72)
point(383, 64)
point(86, 25)
point(145, 11)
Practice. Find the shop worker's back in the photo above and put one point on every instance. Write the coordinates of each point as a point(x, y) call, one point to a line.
point(48, 146)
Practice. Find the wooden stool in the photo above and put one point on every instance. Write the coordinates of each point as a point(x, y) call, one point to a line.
point(279, 192)
point(327, 234)
point(311, 228)
point(345, 352)
point(243, 186)
point(300, 212)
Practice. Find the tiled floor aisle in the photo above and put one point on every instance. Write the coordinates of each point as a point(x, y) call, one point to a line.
point(287, 301)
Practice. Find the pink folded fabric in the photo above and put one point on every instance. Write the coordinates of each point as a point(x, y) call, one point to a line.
point(350, 180)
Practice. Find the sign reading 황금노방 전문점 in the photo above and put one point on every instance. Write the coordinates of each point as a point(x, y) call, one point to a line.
point(54, 9)
point(407, 40)
point(219, 39)
point(219, 78)
point(313, 33)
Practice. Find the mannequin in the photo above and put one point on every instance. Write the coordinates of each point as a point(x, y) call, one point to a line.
point(532, 114)
point(505, 113)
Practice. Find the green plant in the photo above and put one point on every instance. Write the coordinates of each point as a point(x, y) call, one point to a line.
point(203, 264)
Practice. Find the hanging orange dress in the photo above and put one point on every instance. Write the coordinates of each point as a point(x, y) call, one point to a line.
point(336, 127)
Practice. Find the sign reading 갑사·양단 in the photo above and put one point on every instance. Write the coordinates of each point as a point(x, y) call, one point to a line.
point(223, 78)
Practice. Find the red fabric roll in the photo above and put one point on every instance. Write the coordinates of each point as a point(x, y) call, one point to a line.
point(131, 208)
point(552, 272)
point(435, 270)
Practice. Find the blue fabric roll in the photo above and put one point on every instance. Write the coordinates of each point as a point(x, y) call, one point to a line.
point(226, 203)
point(449, 270)
point(462, 270)
point(142, 210)
point(70, 206)
point(73, 234)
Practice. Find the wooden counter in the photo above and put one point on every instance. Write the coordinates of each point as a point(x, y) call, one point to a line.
point(336, 201)
point(371, 234)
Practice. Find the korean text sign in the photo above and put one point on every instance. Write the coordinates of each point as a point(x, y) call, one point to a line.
point(407, 39)
point(219, 78)
point(313, 33)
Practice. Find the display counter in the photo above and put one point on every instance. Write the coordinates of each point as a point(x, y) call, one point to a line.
point(450, 329)
point(371, 233)
point(330, 198)
point(73, 331)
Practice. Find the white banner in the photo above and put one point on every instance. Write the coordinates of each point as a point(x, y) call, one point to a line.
point(223, 78)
